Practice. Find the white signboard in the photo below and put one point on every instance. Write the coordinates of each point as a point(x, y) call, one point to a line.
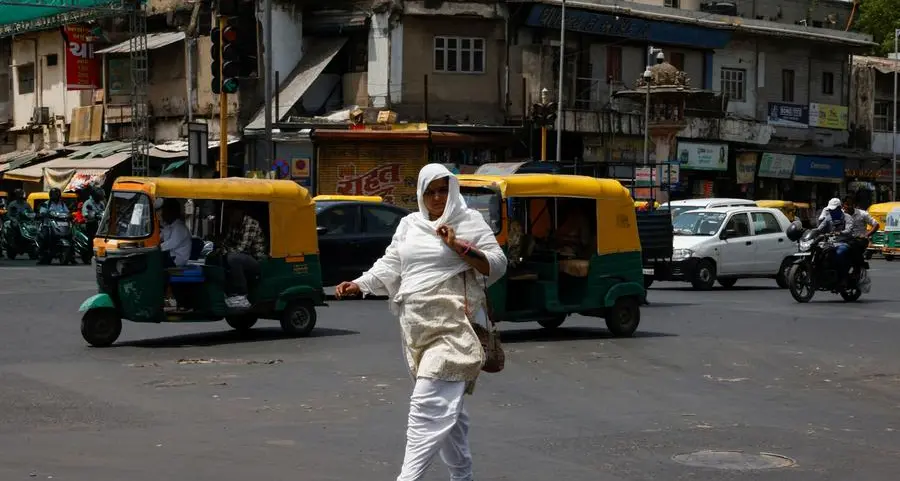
point(697, 156)
point(776, 166)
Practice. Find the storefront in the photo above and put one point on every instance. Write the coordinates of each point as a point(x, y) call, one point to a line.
point(371, 162)
point(467, 148)
point(773, 181)
point(704, 170)
point(817, 179)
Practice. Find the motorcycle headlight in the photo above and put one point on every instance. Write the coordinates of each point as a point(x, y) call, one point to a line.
point(805, 245)
point(681, 254)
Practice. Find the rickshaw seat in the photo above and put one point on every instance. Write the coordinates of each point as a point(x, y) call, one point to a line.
point(189, 274)
point(575, 267)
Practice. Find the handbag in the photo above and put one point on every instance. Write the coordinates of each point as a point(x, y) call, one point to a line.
point(494, 357)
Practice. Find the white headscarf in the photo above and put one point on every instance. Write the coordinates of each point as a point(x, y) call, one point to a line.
point(418, 259)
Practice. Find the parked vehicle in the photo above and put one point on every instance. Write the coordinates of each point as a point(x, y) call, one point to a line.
point(353, 234)
point(572, 245)
point(891, 247)
point(725, 244)
point(787, 207)
point(676, 207)
point(877, 241)
point(358, 198)
point(129, 260)
point(814, 267)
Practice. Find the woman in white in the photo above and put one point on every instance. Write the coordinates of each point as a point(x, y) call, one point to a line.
point(435, 272)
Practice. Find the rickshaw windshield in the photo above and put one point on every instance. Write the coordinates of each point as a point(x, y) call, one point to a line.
point(488, 203)
point(129, 215)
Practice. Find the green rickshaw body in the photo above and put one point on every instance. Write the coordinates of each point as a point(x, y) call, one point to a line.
point(547, 280)
point(880, 212)
point(891, 247)
point(133, 283)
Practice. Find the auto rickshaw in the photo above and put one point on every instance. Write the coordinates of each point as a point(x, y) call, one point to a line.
point(891, 247)
point(358, 198)
point(787, 207)
point(133, 281)
point(572, 247)
point(879, 212)
point(4, 200)
point(36, 199)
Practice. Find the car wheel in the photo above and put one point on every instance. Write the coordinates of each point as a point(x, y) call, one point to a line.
point(781, 278)
point(624, 317)
point(727, 283)
point(298, 319)
point(704, 275)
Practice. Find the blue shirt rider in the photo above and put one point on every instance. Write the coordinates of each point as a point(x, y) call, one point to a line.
point(834, 220)
point(93, 208)
point(18, 208)
point(55, 204)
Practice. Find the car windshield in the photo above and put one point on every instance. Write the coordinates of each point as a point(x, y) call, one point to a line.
point(129, 215)
point(698, 223)
point(676, 211)
point(488, 203)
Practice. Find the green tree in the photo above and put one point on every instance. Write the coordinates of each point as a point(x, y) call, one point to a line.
point(879, 18)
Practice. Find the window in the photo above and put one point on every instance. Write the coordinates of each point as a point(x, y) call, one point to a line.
point(459, 54)
point(765, 223)
point(787, 85)
point(884, 118)
point(672, 3)
point(25, 78)
point(4, 87)
point(677, 60)
point(827, 83)
point(738, 226)
point(614, 64)
point(734, 84)
point(379, 220)
point(340, 220)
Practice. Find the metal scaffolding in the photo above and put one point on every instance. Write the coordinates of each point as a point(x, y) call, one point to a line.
point(23, 16)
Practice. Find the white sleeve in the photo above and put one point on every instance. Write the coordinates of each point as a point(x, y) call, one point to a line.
point(487, 244)
point(383, 279)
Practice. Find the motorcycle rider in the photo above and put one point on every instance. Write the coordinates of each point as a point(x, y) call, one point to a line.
point(833, 219)
point(54, 205)
point(860, 220)
point(93, 209)
point(18, 207)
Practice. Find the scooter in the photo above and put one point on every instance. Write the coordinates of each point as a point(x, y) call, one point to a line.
point(57, 239)
point(20, 237)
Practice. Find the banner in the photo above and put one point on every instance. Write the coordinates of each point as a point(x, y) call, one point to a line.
point(776, 166)
point(828, 116)
point(82, 68)
point(697, 156)
point(788, 115)
point(745, 167)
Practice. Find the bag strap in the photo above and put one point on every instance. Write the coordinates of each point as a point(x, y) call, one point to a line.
point(487, 301)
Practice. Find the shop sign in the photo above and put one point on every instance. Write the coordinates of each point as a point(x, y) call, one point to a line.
point(818, 169)
point(788, 115)
point(776, 166)
point(828, 116)
point(745, 165)
point(892, 221)
point(697, 156)
point(82, 68)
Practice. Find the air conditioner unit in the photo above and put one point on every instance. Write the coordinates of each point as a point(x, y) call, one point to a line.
point(41, 116)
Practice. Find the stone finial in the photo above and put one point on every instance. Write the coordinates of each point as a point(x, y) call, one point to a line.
point(664, 75)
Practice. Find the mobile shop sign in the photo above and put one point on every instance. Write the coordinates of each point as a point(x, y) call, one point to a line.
point(82, 68)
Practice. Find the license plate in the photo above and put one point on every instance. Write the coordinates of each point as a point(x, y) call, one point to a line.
point(648, 272)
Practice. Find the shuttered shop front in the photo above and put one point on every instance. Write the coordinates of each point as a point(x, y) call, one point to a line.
point(384, 168)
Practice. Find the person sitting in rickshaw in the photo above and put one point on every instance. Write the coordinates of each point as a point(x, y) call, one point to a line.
point(175, 235)
point(244, 246)
point(573, 236)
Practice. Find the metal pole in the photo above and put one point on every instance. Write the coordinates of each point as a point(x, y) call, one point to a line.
point(647, 112)
point(894, 141)
point(543, 143)
point(223, 106)
point(189, 56)
point(559, 98)
point(267, 45)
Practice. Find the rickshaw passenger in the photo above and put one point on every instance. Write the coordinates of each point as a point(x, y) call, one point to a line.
point(176, 237)
point(245, 245)
point(575, 231)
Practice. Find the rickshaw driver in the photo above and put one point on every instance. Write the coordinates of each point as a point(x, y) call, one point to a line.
point(244, 245)
point(176, 237)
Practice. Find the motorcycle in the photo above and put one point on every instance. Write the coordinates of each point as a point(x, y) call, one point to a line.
point(20, 237)
point(814, 267)
point(83, 243)
point(57, 239)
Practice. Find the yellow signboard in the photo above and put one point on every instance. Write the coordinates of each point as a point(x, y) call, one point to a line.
point(828, 116)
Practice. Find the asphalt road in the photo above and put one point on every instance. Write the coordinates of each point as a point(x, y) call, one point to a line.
point(745, 369)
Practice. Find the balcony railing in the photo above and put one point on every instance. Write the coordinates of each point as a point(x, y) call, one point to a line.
point(593, 93)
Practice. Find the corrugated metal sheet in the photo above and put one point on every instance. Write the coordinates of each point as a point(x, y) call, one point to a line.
point(326, 21)
point(102, 157)
point(307, 71)
point(154, 40)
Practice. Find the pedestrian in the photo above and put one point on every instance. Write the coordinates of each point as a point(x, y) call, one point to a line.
point(435, 273)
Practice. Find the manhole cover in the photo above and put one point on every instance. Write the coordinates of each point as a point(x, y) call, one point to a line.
point(734, 460)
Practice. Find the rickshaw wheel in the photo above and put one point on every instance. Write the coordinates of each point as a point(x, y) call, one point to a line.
point(101, 327)
point(298, 318)
point(552, 322)
point(241, 323)
point(623, 318)
point(888, 257)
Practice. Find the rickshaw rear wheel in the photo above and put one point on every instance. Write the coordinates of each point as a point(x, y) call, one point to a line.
point(888, 257)
point(623, 318)
point(552, 322)
point(298, 319)
point(101, 327)
point(241, 323)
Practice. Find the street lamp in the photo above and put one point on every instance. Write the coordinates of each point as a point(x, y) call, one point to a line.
point(545, 97)
point(648, 77)
point(562, 63)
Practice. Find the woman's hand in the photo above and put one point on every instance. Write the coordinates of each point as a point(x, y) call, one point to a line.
point(346, 289)
point(448, 235)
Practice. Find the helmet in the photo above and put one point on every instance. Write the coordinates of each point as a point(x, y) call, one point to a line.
point(19, 194)
point(795, 231)
point(55, 194)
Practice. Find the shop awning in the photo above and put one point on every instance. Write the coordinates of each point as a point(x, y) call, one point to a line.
point(154, 41)
point(463, 140)
point(335, 135)
point(58, 168)
point(314, 61)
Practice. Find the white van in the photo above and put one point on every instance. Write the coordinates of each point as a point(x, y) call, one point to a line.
point(725, 244)
point(678, 206)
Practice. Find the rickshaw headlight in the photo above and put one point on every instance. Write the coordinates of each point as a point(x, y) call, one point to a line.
point(681, 254)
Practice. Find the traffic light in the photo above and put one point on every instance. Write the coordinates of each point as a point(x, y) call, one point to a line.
point(543, 114)
point(236, 47)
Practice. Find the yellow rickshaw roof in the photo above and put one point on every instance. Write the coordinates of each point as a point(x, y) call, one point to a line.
point(230, 188)
point(883, 208)
point(774, 203)
point(358, 198)
point(548, 185)
point(46, 195)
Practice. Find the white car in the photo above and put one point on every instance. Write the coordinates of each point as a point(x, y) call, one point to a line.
point(725, 244)
point(678, 206)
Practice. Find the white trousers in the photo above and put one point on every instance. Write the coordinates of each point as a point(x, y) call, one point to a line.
point(438, 423)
